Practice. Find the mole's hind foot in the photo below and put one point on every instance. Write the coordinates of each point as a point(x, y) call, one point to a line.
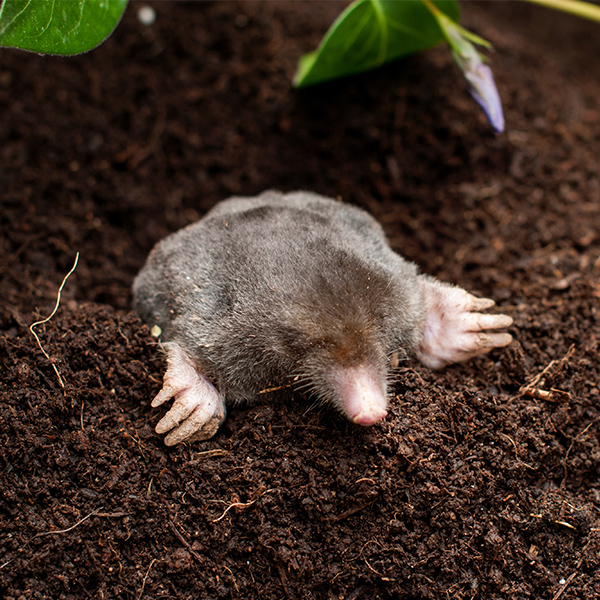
point(454, 329)
point(198, 409)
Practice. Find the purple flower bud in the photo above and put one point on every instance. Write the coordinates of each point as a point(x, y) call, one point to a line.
point(483, 88)
point(478, 75)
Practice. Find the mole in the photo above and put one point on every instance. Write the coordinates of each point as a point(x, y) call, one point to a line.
point(296, 290)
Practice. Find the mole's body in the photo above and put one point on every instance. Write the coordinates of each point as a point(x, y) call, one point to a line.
point(295, 289)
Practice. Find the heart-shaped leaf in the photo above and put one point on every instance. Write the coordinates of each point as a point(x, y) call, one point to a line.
point(370, 33)
point(58, 26)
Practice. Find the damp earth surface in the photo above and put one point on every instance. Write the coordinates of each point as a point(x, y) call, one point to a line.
point(484, 480)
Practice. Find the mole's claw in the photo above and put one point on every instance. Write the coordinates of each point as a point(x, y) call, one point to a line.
point(475, 303)
point(166, 393)
point(198, 409)
point(481, 322)
point(493, 340)
point(454, 331)
point(196, 428)
point(185, 404)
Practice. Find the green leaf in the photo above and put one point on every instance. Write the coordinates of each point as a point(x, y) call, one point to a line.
point(370, 33)
point(58, 26)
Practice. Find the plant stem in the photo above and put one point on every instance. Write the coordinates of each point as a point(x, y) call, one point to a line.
point(574, 7)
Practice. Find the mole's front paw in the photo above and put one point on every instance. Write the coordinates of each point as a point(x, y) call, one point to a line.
point(454, 329)
point(198, 409)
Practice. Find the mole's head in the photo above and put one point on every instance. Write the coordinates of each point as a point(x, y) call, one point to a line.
point(337, 329)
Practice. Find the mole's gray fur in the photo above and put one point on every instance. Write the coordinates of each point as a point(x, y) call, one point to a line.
point(297, 289)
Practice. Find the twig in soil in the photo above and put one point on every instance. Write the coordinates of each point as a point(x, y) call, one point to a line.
point(133, 436)
point(60, 531)
point(197, 556)
point(575, 439)
point(517, 451)
point(208, 454)
point(242, 504)
point(149, 490)
point(186, 543)
point(564, 586)
point(534, 387)
point(283, 578)
point(350, 511)
point(563, 523)
point(146, 577)
point(553, 395)
point(233, 578)
point(376, 572)
point(62, 285)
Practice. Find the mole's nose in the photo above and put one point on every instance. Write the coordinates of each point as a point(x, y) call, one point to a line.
point(369, 417)
point(362, 395)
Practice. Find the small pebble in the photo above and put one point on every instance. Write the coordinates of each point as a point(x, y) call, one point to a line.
point(146, 15)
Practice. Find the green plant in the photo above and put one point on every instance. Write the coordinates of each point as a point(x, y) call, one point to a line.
point(366, 35)
point(58, 26)
point(370, 33)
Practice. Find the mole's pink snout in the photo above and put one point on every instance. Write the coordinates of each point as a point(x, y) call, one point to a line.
point(362, 395)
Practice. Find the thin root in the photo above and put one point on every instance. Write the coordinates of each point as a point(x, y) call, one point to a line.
point(61, 531)
point(146, 577)
point(517, 451)
point(37, 339)
point(232, 577)
point(242, 505)
point(235, 505)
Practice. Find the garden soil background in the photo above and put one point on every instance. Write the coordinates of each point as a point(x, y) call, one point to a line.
point(484, 480)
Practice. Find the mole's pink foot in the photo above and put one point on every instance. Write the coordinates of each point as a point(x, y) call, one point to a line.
point(454, 329)
point(198, 409)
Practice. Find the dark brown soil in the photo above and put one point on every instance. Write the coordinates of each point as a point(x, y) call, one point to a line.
point(474, 487)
